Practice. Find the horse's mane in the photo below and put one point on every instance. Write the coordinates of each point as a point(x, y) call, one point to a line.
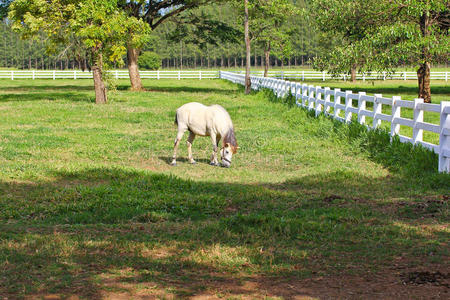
point(230, 138)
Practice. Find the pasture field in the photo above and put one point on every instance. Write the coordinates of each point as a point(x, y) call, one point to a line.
point(91, 209)
point(440, 91)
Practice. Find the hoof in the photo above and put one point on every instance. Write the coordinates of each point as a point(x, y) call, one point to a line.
point(213, 164)
point(193, 162)
point(173, 164)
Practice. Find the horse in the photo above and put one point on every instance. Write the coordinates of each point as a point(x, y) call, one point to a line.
point(202, 120)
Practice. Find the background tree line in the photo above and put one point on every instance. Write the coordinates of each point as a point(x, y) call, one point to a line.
point(339, 36)
point(178, 43)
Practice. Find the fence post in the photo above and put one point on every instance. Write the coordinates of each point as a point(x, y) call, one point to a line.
point(33, 75)
point(337, 100)
point(304, 94)
point(282, 75)
point(364, 77)
point(200, 75)
point(404, 75)
point(311, 97)
point(54, 74)
point(298, 93)
point(361, 106)
point(395, 128)
point(418, 117)
point(316, 99)
point(384, 75)
point(323, 76)
point(444, 138)
point(303, 75)
point(327, 97)
point(74, 74)
point(12, 75)
point(446, 76)
point(179, 75)
point(377, 106)
point(348, 104)
point(345, 77)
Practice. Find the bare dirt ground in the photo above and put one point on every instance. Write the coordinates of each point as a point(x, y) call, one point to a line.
point(393, 283)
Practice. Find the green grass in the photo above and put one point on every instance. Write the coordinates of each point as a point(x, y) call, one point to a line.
point(440, 91)
point(89, 204)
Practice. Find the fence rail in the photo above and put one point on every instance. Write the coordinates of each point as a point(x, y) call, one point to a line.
point(316, 75)
point(321, 100)
point(296, 75)
point(118, 74)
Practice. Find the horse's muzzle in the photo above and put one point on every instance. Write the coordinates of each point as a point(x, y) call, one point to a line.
point(225, 163)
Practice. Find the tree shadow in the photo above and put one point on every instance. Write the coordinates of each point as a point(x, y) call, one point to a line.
point(190, 89)
point(48, 96)
point(76, 233)
point(46, 87)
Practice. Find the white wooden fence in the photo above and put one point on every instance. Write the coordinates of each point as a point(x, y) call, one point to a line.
point(321, 100)
point(316, 75)
point(297, 75)
point(118, 74)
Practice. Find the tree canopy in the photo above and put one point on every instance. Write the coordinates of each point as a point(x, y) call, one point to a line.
point(95, 25)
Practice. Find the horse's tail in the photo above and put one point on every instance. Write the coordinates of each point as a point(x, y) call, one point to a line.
point(176, 119)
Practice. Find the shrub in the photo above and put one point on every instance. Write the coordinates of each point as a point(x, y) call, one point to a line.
point(149, 61)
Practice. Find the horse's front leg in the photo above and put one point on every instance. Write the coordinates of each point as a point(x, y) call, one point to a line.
point(175, 146)
point(189, 146)
point(214, 160)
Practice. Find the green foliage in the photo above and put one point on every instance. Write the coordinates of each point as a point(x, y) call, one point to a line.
point(380, 35)
point(98, 25)
point(4, 5)
point(149, 61)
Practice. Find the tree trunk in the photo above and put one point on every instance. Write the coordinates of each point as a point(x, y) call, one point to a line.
point(133, 70)
point(266, 59)
point(247, 49)
point(423, 77)
point(353, 73)
point(423, 74)
point(99, 85)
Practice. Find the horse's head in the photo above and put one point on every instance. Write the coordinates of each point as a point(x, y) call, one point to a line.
point(227, 153)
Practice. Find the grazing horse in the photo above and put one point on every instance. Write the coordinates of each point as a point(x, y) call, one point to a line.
point(213, 121)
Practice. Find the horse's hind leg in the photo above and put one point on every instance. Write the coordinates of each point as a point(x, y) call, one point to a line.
point(189, 146)
point(175, 146)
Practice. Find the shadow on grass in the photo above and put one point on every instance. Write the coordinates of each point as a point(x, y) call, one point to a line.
point(89, 229)
point(47, 87)
point(48, 96)
point(183, 89)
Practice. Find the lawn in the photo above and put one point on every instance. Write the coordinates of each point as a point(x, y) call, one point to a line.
point(407, 90)
point(90, 207)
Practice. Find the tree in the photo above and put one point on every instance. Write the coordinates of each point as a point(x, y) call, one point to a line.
point(414, 32)
point(383, 34)
point(154, 13)
point(342, 24)
point(149, 61)
point(101, 28)
point(247, 49)
point(268, 18)
point(4, 5)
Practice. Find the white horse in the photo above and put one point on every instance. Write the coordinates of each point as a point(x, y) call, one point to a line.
point(213, 121)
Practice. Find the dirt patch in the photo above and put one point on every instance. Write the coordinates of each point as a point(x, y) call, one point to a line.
point(435, 278)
